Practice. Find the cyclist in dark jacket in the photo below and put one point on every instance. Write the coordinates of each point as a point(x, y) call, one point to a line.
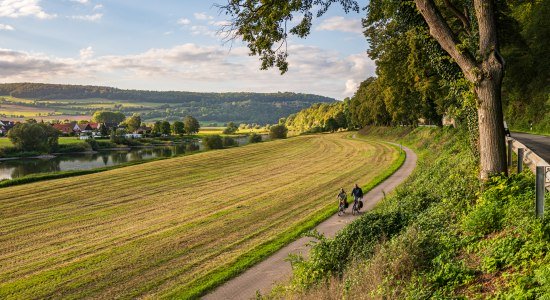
point(357, 193)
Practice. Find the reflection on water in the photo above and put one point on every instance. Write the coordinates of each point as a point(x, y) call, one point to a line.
point(11, 169)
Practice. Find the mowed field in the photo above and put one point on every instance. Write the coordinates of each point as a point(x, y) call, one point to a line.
point(166, 229)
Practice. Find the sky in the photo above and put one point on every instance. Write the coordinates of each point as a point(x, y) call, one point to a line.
point(170, 45)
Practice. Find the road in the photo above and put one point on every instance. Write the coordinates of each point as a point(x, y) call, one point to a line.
point(539, 144)
point(275, 269)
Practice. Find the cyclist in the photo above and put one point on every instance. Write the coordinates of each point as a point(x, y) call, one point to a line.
point(342, 197)
point(357, 193)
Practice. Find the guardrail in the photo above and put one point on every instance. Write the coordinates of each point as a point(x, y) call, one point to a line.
point(537, 165)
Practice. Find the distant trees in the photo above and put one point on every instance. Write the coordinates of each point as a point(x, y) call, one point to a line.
point(178, 128)
point(278, 132)
point(133, 123)
point(108, 117)
point(259, 108)
point(320, 117)
point(165, 128)
point(34, 137)
point(191, 125)
point(231, 128)
point(157, 128)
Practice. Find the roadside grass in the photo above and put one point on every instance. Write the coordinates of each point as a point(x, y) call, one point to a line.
point(175, 227)
point(439, 236)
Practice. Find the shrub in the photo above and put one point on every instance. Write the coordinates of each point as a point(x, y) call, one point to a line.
point(34, 137)
point(278, 132)
point(74, 148)
point(212, 142)
point(229, 142)
point(254, 138)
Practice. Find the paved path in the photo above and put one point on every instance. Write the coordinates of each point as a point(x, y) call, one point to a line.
point(275, 268)
point(539, 144)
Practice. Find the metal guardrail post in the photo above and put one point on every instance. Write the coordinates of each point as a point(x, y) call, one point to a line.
point(520, 160)
point(510, 142)
point(540, 190)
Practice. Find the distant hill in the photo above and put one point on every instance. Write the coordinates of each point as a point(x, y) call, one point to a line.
point(244, 107)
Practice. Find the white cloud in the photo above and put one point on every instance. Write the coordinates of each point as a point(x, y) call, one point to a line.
point(89, 18)
point(340, 23)
point(196, 68)
point(23, 8)
point(6, 27)
point(184, 21)
point(98, 7)
point(86, 53)
point(202, 16)
point(81, 1)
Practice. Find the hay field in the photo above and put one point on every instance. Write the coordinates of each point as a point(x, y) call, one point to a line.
point(172, 228)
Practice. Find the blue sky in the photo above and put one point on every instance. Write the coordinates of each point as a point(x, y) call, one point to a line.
point(169, 45)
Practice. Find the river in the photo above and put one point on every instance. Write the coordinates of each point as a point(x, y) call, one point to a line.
point(11, 169)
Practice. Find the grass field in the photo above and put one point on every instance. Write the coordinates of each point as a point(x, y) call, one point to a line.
point(5, 142)
point(176, 227)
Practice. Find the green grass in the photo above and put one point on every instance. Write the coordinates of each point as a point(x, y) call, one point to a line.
point(174, 227)
point(5, 142)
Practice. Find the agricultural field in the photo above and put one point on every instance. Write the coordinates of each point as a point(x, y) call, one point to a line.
point(176, 227)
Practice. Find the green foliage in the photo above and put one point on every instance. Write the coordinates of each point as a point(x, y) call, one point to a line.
point(326, 116)
point(165, 128)
point(108, 117)
point(278, 132)
point(133, 122)
point(74, 148)
point(213, 142)
point(38, 137)
point(263, 25)
point(178, 128)
point(191, 125)
point(229, 142)
point(254, 138)
point(231, 128)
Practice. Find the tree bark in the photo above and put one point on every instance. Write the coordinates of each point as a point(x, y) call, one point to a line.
point(486, 75)
point(488, 90)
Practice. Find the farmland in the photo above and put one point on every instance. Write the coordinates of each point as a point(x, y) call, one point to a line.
point(176, 227)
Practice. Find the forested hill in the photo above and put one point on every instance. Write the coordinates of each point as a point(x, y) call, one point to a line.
point(223, 107)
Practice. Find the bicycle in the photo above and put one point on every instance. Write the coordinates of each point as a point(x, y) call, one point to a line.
point(341, 209)
point(357, 204)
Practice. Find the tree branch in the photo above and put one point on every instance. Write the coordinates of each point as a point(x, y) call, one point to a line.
point(462, 17)
point(440, 30)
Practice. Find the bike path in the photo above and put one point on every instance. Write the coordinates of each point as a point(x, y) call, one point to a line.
point(275, 269)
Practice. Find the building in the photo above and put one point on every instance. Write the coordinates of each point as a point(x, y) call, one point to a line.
point(66, 129)
point(82, 128)
point(5, 126)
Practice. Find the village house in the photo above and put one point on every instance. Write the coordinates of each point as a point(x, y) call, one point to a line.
point(5, 126)
point(66, 129)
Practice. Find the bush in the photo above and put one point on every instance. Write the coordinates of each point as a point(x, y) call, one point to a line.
point(254, 138)
point(74, 148)
point(37, 137)
point(278, 132)
point(212, 142)
point(229, 142)
point(93, 143)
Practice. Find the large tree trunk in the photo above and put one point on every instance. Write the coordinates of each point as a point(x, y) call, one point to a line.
point(490, 118)
point(486, 74)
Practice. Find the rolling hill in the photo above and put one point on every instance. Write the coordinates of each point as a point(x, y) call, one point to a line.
point(79, 100)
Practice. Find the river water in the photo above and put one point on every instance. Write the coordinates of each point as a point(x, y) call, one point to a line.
point(11, 169)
